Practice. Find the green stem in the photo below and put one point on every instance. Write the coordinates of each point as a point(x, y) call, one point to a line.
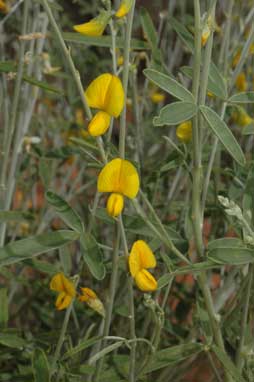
point(109, 308)
point(239, 355)
point(14, 113)
point(131, 306)
point(73, 70)
point(126, 56)
point(61, 338)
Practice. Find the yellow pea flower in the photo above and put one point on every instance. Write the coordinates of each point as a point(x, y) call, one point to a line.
point(157, 97)
point(115, 204)
point(65, 288)
point(119, 177)
point(91, 299)
point(184, 131)
point(94, 27)
point(241, 83)
point(106, 94)
point(4, 8)
point(124, 8)
point(141, 257)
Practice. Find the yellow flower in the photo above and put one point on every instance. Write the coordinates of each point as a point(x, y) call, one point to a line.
point(115, 204)
point(66, 289)
point(141, 257)
point(120, 60)
point(184, 131)
point(124, 8)
point(4, 8)
point(106, 94)
point(119, 177)
point(94, 27)
point(241, 83)
point(90, 298)
point(157, 97)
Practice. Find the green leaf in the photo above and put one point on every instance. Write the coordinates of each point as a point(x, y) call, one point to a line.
point(92, 255)
point(169, 84)
point(182, 32)
point(148, 28)
point(65, 211)
point(175, 113)
point(7, 216)
point(4, 310)
point(46, 170)
point(43, 85)
point(12, 341)
point(245, 97)
point(248, 130)
point(171, 355)
point(220, 129)
point(164, 280)
point(105, 351)
point(217, 81)
point(228, 364)
point(42, 266)
point(216, 88)
point(83, 344)
point(230, 251)
point(103, 41)
point(33, 246)
point(40, 366)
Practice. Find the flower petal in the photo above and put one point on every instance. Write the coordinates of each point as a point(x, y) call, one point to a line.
point(124, 8)
point(97, 91)
point(56, 283)
point(94, 27)
point(69, 287)
point(184, 131)
point(141, 257)
point(106, 93)
point(87, 294)
point(119, 176)
point(63, 301)
point(145, 281)
point(114, 101)
point(99, 124)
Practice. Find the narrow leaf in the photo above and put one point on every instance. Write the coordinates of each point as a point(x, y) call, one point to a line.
point(148, 28)
point(7, 216)
point(220, 129)
point(33, 246)
point(228, 364)
point(65, 211)
point(83, 344)
point(103, 41)
point(12, 341)
point(182, 32)
point(4, 310)
point(40, 366)
point(105, 351)
point(175, 113)
point(92, 255)
point(245, 97)
point(169, 84)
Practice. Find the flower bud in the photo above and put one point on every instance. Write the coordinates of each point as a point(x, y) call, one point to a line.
point(115, 204)
point(184, 131)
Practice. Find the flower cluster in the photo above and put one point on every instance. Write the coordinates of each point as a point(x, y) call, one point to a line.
point(67, 293)
point(97, 25)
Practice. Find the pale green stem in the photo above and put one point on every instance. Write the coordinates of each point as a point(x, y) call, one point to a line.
point(74, 72)
point(61, 339)
point(131, 306)
point(196, 207)
point(109, 307)
point(14, 112)
point(239, 354)
point(126, 56)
